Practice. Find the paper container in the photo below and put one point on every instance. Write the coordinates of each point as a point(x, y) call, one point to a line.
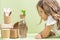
point(5, 33)
point(7, 15)
point(23, 29)
point(6, 26)
point(7, 20)
point(14, 33)
point(23, 35)
point(23, 32)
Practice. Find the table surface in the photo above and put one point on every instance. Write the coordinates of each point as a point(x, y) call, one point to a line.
point(31, 36)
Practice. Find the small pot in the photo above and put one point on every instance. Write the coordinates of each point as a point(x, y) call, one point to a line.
point(14, 33)
point(5, 33)
point(23, 29)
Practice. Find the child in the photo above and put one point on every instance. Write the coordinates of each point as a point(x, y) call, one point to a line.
point(49, 11)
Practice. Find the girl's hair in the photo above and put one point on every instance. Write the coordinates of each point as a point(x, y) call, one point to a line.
point(50, 7)
point(40, 4)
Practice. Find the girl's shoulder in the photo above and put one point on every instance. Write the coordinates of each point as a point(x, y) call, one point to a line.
point(50, 20)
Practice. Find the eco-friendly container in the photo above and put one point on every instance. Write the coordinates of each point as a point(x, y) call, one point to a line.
point(14, 33)
point(5, 33)
point(7, 15)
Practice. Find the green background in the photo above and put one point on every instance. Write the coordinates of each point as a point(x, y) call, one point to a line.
point(32, 17)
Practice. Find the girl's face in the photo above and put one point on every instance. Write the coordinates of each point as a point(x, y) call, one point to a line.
point(41, 13)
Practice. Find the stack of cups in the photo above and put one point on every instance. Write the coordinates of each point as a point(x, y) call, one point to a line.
point(5, 31)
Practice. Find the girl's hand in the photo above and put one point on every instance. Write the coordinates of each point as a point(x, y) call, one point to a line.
point(56, 16)
point(38, 36)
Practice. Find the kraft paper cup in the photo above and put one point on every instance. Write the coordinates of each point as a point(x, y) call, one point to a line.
point(14, 33)
point(5, 33)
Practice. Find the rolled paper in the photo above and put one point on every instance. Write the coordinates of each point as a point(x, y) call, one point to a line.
point(6, 26)
point(7, 15)
point(14, 33)
point(5, 33)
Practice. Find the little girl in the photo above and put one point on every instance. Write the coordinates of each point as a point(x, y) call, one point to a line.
point(49, 11)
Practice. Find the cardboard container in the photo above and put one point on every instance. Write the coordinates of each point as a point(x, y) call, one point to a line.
point(14, 33)
point(23, 29)
point(6, 26)
point(7, 15)
point(5, 33)
point(23, 34)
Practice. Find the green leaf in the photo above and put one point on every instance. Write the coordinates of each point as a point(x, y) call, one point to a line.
point(24, 11)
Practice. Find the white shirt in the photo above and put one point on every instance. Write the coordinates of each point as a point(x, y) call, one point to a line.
point(51, 21)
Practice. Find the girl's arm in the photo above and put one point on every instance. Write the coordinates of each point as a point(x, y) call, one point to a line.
point(45, 33)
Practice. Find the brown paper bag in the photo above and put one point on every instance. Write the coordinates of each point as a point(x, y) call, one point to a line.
point(7, 15)
point(14, 33)
point(23, 29)
point(5, 33)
